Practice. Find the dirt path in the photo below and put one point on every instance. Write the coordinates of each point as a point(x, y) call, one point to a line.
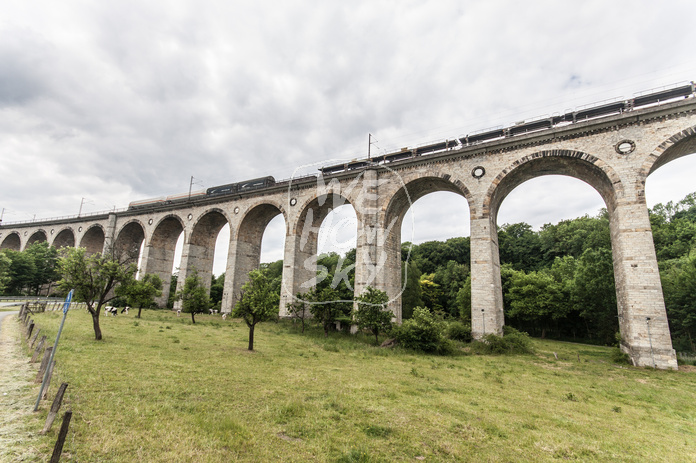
point(17, 396)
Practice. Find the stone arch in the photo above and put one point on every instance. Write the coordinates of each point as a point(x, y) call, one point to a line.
point(301, 242)
point(37, 237)
point(245, 247)
point(93, 240)
point(486, 285)
point(414, 188)
point(64, 238)
point(582, 166)
point(199, 246)
point(159, 252)
point(128, 241)
point(678, 145)
point(12, 241)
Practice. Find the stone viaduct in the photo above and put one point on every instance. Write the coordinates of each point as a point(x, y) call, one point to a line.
point(613, 153)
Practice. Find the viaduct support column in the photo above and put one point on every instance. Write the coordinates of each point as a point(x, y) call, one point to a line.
point(378, 247)
point(299, 267)
point(642, 316)
point(486, 290)
point(159, 261)
point(198, 258)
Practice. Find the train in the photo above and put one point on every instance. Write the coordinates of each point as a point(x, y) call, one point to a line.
point(231, 188)
point(604, 109)
point(608, 108)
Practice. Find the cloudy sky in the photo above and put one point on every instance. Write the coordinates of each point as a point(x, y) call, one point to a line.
point(103, 103)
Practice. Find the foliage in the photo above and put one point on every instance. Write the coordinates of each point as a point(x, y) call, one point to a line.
point(412, 294)
point(372, 313)
point(459, 331)
point(194, 296)
point(172, 290)
point(679, 283)
point(258, 301)
point(94, 278)
point(217, 288)
point(423, 332)
point(326, 307)
point(5, 278)
point(513, 342)
point(299, 309)
point(141, 293)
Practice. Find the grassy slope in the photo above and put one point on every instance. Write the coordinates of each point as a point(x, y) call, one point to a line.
point(163, 390)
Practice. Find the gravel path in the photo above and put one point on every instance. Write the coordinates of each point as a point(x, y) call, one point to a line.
point(17, 395)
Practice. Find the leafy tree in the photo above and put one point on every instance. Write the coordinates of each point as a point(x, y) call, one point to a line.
point(594, 292)
point(45, 272)
point(258, 302)
point(217, 287)
point(679, 282)
point(537, 299)
point(94, 278)
point(430, 292)
point(464, 300)
point(372, 313)
point(194, 296)
point(424, 332)
point(172, 291)
point(21, 271)
point(5, 279)
point(519, 246)
point(141, 293)
point(412, 295)
point(326, 307)
point(451, 279)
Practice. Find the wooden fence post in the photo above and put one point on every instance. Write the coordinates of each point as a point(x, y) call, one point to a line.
point(54, 408)
point(37, 352)
point(30, 328)
point(44, 364)
point(33, 338)
point(58, 449)
point(44, 396)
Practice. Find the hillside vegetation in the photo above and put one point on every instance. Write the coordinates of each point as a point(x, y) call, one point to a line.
point(161, 389)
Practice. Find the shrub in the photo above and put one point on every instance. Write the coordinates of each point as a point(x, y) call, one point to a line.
point(622, 358)
point(459, 331)
point(423, 332)
point(513, 342)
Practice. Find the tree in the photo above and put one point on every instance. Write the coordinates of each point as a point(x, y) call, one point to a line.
point(45, 259)
point(5, 263)
point(372, 313)
point(217, 287)
point(94, 279)
point(142, 293)
point(21, 271)
point(194, 296)
point(299, 309)
point(412, 295)
point(258, 302)
point(679, 282)
point(326, 307)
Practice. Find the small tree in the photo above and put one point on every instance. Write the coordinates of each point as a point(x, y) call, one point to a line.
point(326, 307)
point(258, 302)
point(194, 296)
point(142, 293)
point(299, 309)
point(372, 313)
point(94, 278)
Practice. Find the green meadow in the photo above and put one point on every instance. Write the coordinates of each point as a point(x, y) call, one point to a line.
point(160, 389)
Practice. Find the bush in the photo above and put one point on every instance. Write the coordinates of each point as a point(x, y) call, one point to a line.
point(423, 332)
point(459, 331)
point(617, 356)
point(513, 342)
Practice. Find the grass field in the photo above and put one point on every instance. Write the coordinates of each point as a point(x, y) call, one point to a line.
point(160, 389)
